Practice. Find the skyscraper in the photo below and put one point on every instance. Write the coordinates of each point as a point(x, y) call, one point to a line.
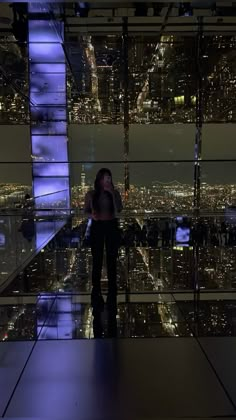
point(82, 179)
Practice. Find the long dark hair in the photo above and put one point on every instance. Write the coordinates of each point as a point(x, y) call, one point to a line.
point(98, 190)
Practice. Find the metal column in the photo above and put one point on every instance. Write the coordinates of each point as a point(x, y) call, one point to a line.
point(197, 166)
point(199, 118)
point(126, 103)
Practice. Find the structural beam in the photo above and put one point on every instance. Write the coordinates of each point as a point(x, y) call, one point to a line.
point(48, 103)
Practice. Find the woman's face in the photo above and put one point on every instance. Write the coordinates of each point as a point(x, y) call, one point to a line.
point(106, 181)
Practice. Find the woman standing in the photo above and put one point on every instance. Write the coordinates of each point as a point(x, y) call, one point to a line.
point(102, 205)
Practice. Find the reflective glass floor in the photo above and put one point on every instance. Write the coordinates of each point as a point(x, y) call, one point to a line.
point(21, 237)
point(163, 291)
point(61, 317)
point(174, 320)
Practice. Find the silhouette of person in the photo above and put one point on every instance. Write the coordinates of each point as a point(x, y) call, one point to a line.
point(98, 328)
point(20, 24)
point(102, 205)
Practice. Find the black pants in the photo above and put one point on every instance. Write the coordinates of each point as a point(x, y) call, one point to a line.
point(104, 232)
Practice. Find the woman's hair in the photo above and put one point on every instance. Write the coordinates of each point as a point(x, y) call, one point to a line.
point(98, 190)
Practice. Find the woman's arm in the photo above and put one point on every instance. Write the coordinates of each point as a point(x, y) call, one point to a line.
point(117, 201)
point(88, 204)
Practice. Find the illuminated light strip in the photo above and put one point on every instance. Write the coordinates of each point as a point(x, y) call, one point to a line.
point(48, 110)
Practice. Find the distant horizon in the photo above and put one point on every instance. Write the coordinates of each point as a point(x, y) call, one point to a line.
point(121, 182)
point(147, 142)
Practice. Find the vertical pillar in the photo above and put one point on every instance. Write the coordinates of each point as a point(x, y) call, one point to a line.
point(126, 103)
point(48, 109)
point(198, 137)
point(197, 166)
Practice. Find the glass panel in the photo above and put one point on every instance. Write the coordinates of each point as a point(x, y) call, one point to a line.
point(95, 142)
point(162, 79)
point(51, 192)
point(96, 88)
point(15, 179)
point(48, 113)
point(218, 185)
point(49, 148)
point(22, 234)
point(161, 141)
point(83, 177)
point(50, 169)
point(218, 141)
point(162, 187)
point(53, 128)
point(176, 272)
point(14, 97)
point(219, 71)
point(51, 317)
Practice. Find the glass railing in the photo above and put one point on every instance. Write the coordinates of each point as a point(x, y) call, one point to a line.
point(24, 231)
point(170, 282)
point(176, 264)
point(157, 253)
point(161, 186)
point(69, 316)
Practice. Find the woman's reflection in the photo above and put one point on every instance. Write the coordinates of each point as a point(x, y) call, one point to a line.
point(110, 316)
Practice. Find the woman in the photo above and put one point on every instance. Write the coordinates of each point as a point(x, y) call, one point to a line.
point(102, 205)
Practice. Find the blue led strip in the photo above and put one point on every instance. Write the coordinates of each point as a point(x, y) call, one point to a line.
point(47, 80)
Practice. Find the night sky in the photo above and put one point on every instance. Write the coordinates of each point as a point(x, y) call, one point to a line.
point(105, 142)
point(147, 142)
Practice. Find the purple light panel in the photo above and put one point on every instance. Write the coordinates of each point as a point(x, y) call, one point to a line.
point(41, 68)
point(48, 111)
point(62, 324)
point(40, 82)
point(46, 52)
point(50, 169)
point(49, 128)
point(45, 31)
point(44, 231)
point(49, 148)
point(51, 192)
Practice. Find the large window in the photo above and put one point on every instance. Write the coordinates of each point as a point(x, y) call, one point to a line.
point(134, 98)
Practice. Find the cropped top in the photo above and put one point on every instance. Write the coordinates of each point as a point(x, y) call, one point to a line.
point(104, 205)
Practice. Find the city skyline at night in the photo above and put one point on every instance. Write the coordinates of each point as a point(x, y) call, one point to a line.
point(118, 293)
point(161, 121)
